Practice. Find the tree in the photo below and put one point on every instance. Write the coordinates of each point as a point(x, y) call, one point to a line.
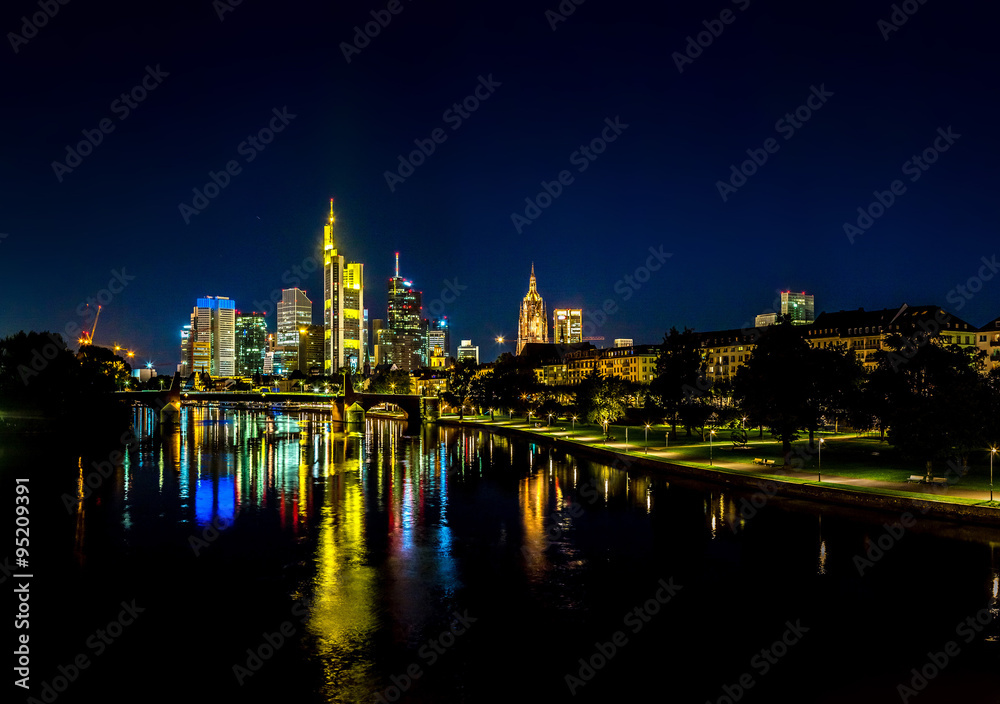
point(549, 405)
point(510, 380)
point(482, 392)
point(775, 387)
point(394, 382)
point(936, 399)
point(607, 402)
point(102, 360)
point(460, 378)
point(45, 385)
point(680, 381)
point(834, 382)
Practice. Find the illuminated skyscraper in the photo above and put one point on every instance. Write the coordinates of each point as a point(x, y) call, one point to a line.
point(467, 352)
point(532, 325)
point(800, 306)
point(251, 343)
point(437, 336)
point(343, 306)
point(354, 310)
point(185, 367)
point(212, 339)
point(378, 348)
point(403, 340)
point(567, 326)
point(310, 349)
point(333, 299)
point(294, 313)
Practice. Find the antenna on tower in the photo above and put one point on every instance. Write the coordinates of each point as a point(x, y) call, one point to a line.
point(397, 265)
point(331, 210)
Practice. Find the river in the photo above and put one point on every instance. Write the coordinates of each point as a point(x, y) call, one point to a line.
point(248, 556)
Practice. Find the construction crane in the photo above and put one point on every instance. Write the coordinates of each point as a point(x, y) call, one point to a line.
point(88, 338)
point(128, 353)
point(501, 339)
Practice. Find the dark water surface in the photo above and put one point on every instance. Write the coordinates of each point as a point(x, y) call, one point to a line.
point(456, 566)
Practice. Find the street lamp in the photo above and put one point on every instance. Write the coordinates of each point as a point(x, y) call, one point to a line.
point(647, 438)
point(819, 476)
point(574, 422)
point(605, 432)
point(993, 451)
point(711, 437)
point(392, 387)
point(550, 420)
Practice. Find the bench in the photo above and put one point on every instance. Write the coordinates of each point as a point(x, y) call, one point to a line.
point(762, 461)
point(768, 463)
point(943, 481)
point(915, 478)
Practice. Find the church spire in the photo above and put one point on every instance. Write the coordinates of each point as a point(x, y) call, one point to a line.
point(531, 325)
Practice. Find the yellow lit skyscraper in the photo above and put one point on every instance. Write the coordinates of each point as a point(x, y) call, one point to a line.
point(333, 299)
point(567, 326)
point(354, 340)
point(343, 306)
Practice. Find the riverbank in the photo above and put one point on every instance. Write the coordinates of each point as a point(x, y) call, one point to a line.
point(950, 503)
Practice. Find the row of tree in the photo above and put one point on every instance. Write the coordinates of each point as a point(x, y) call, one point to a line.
point(45, 386)
point(934, 403)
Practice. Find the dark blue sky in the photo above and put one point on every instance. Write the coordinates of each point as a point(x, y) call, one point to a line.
point(654, 186)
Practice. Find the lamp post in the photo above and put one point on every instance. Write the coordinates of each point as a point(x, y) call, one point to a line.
point(550, 420)
point(574, 423)
point(605, 432)
point(711, 437)
point(819, 476)
point(993, 451)
point(647, 438)
point(626, 438)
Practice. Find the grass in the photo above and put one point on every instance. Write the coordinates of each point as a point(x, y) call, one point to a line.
point(843, 455)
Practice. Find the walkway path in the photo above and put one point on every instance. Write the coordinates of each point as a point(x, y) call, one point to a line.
point(723, 458)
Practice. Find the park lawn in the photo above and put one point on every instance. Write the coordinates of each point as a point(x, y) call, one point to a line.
point(845, 456)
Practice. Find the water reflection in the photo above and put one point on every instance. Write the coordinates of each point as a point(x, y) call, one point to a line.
point(388, 529)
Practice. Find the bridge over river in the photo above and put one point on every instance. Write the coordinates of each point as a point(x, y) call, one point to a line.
point(344, 407)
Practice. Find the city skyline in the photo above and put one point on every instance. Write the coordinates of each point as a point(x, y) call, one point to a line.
point(434, 333)
point(663, 132)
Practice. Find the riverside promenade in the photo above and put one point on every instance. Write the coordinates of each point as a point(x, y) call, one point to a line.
point(848, 471)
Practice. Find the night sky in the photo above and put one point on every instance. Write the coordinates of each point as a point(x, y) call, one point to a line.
point(218, 82)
